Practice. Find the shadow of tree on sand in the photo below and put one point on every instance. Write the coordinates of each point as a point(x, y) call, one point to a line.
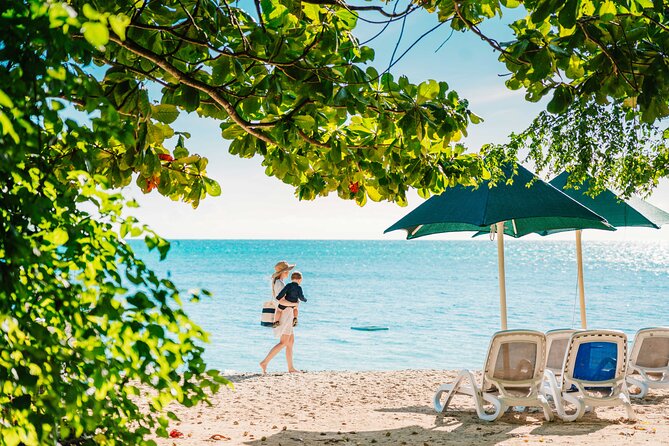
point(454, 428)
point(410, 435)
point(423, 410)
point(243, 377)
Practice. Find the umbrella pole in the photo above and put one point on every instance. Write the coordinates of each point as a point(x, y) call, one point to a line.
point(500, 263)
point(581, 288)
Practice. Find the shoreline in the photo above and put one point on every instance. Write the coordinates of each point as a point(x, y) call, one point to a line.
point(390, 408)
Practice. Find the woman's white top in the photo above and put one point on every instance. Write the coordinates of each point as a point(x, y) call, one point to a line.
point(277, 286)
point(286, 326)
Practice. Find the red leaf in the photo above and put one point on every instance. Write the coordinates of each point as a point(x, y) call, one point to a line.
point(354, 187)
point(165, 157)
point(176, 434)
point(151, 183)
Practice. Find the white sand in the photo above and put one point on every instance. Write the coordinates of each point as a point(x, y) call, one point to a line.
point(391, 408)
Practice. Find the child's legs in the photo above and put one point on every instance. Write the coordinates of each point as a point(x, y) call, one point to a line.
point(295, 311)
point(277, 314)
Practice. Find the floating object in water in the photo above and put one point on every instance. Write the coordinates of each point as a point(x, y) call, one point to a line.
point(370, 328)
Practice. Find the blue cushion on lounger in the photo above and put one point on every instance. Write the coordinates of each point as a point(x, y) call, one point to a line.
point(596, 361)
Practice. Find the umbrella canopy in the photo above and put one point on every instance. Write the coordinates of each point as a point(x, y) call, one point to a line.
point(538, 207)
point(618, 212)
point(526, 205)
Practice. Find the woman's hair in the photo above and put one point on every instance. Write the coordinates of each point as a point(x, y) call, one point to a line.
point(296, 275)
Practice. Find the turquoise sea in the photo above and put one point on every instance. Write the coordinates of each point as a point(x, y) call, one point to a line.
point(439, 299)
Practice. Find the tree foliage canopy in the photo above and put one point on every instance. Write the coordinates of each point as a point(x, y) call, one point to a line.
point(84, 324)
point(597, 49)
point(605, 143)
point(292, 87)
point(604, 65)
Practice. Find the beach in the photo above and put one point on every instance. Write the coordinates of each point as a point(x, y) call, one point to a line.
point(391, 408)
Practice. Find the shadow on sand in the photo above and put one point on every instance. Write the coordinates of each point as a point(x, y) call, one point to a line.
point(454, 428)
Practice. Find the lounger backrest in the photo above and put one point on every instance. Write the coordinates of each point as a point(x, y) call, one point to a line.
point(651, 348)
point(557, 342)
point(515, 358)
point(595, 358)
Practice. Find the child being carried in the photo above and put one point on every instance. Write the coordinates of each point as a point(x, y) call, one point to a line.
point(293, 294)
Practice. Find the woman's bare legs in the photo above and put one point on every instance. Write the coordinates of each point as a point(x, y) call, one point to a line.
point(285, 340)
point(289, 354)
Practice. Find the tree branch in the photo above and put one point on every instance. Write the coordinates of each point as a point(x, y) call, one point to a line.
point(616, 68)
point(344, 5)
point(475, 29)
point(194, 83)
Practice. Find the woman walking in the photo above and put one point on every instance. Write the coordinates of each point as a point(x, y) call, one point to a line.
point(284, 331)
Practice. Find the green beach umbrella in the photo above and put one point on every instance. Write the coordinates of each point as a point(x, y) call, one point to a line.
point(513, 209)
point(617, 211)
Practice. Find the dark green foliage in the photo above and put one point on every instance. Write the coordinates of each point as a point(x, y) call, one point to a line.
point(592, 49)
point(84, 325)
point(292, 87)
point(606, 142)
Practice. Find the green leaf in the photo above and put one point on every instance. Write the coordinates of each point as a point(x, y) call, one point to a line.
point(58, 15)
point(57, 237)
point(427, 91)
point(575, 69)
point(187, 159)
point(180, 151)
point(212, 187)
point(5, 101)
point(607, 11)
point(91, 13)
point(542, 10)
point(361, 199)
point(222, 70)
point(305, 122)
point(373, 193)
point(189, 98)
point(158, 132)
point(542, 64)
point(119, 23)
point(165, 113)
point(8, 128)
point(311, 11)
point(474, 118)
point(346, 17)
point(232, 131)
point(95, 33)
point(562, 97)
point(567, 15)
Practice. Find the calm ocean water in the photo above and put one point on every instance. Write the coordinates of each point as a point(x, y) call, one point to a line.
point(439, 299)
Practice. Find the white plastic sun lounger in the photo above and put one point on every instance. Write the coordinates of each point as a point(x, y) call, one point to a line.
point(593, 374)
point(557, 342)
point(512, 376)
point(648, 367)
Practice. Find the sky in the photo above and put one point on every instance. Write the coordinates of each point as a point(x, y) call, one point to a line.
point(254, 206)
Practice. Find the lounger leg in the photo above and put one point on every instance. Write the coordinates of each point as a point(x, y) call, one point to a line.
point(643, 388)
point(452, 389)
point(555, 392)
point(628, 407)
point(437, 397)
point(500, 408)
point(548, 413)
point(580, 408)
point(459, 388)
